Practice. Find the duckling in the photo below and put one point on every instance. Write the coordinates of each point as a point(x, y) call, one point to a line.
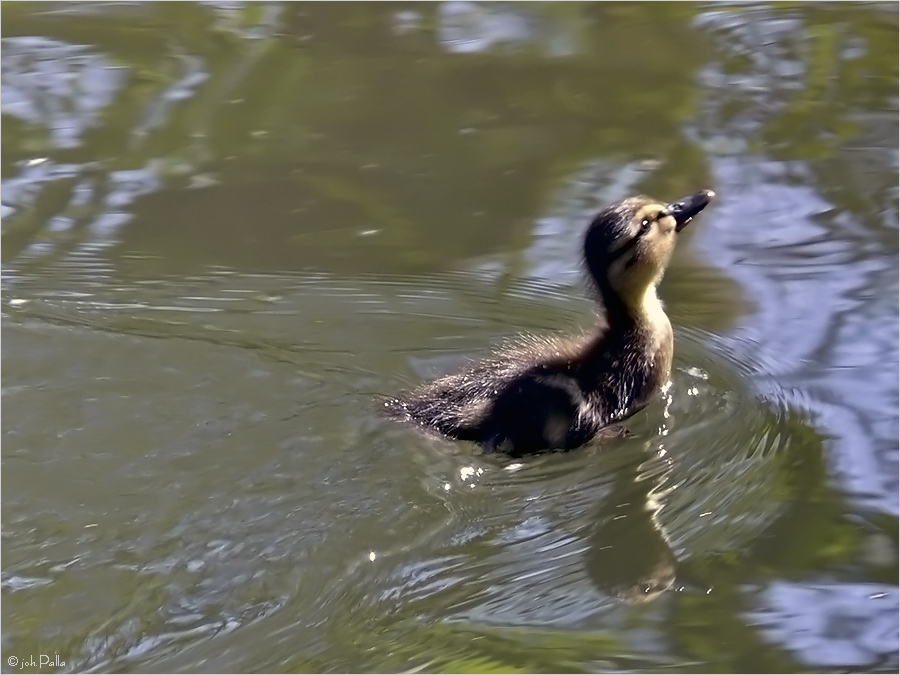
point(560, 393)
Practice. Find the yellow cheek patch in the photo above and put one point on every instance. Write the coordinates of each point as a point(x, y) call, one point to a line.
point(649, 212)
point(667, 224)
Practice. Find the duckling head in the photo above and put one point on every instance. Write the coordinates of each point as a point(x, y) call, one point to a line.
point(629, 244)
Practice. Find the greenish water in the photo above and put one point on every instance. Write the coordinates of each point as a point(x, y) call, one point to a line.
point(228, 228)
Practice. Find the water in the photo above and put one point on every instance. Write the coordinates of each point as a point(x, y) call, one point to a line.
point(229, 228)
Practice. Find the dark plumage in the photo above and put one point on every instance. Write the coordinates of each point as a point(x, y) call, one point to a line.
point(559, 393)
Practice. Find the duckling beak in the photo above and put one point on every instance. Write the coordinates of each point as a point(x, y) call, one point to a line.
point(683, 210)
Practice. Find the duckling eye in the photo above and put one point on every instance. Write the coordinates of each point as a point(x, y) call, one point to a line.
point(645, 227)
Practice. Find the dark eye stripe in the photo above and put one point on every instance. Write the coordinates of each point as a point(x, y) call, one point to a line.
point(631, 243)
point(625, 248)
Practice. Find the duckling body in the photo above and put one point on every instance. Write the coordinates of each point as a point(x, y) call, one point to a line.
point(559, 393)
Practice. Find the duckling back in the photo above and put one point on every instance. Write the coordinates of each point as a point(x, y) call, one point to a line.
point(545, 393)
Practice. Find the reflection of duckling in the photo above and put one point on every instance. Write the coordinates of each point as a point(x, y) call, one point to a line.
point(554, 393)
point(628, 554)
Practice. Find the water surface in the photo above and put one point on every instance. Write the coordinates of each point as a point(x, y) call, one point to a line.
point(228, 229)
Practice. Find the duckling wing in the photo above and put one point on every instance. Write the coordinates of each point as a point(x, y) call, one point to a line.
point(540, 410)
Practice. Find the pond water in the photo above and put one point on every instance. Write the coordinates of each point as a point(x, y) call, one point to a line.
point(229, 228)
